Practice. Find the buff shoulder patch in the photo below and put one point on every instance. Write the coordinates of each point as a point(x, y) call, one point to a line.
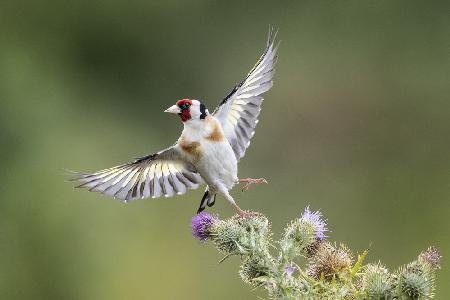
point(216, 134)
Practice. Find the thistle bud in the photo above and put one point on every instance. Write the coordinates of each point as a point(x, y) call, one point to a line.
point(416, 280)
point(258, 225)
point(315, 219)
point(226, 234)
point(431, 256)
point(330, 261)
point(303, 235)
point(251, 269)
point(377, 282)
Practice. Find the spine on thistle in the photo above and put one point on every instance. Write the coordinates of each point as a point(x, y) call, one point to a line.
point(307, 266)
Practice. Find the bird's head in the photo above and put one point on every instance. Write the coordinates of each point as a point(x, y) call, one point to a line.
point(189, 109)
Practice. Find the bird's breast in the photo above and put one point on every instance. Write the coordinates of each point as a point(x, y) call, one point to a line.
point(218, 163)
point(197, 139)
point(191, 148)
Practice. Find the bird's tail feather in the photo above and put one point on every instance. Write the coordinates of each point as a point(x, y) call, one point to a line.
point(207, 199)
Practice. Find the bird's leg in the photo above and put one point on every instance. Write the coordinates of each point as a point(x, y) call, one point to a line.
point(242, 213)
point(249, 181)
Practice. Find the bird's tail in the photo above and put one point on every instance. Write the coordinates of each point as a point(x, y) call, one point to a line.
point(207, 199)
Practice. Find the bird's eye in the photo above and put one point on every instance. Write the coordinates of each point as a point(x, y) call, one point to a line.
point(184, 105)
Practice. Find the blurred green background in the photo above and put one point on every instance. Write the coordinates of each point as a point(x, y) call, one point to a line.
point(357, 125)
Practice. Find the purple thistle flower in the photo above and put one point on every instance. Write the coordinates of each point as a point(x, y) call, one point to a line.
point(290, 269)
point(431, 256)
point(315, 217)
point(200, 225)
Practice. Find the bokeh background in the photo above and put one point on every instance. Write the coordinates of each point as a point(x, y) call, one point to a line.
point(357, 125)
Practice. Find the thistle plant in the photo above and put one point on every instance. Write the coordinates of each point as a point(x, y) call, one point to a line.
point(304, 265)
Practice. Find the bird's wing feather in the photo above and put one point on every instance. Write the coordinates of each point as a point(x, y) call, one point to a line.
point(160, 174)
point(238, 112)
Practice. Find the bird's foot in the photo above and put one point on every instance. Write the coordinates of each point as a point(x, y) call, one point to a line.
point(244, 213)
point(247, 214)
point(249, 181)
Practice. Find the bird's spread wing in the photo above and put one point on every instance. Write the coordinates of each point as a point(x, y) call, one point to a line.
point(238, 112)
point(162, 173)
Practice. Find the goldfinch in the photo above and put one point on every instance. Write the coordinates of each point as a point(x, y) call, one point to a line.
point(207, 151)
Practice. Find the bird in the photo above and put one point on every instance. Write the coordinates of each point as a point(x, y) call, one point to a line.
point(207, 152)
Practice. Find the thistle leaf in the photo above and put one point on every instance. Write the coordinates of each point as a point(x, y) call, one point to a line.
point(359, 262)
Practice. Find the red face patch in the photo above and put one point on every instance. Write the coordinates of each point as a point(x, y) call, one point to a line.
point(184, 105)
point(184, 101)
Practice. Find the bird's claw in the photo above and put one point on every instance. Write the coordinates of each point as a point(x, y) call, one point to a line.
point(247, 214)
point(249, 181)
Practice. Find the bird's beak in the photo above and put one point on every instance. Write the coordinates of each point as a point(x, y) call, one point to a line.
point(174, 109)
